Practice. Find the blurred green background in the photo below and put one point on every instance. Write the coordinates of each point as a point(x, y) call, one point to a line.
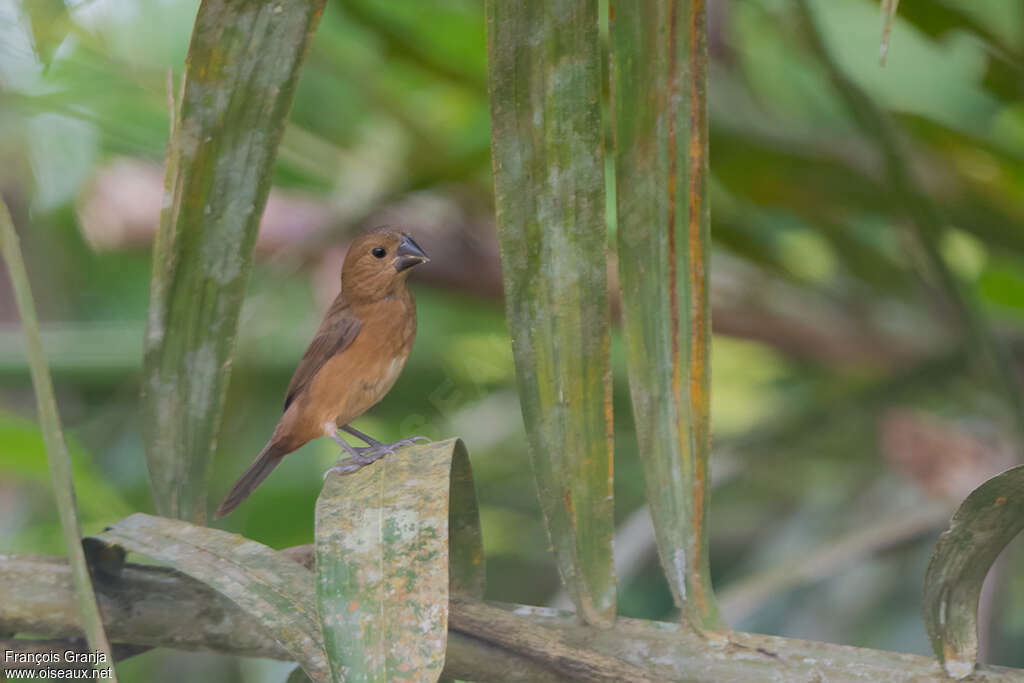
point(851, 411)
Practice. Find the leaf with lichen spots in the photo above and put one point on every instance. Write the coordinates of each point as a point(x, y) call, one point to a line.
point(243, 64)
point(661, 163)
point(268, 585)
point(990, 517)
point(549, 188)
point(392, 540)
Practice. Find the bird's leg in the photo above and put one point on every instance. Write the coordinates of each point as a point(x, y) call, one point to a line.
point(353, 462)
point(375, 445)
point(365, 438)
point(351, 450)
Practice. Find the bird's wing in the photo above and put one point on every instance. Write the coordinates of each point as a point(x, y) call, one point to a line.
point(336, 332)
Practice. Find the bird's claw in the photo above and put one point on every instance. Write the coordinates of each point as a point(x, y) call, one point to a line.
point(353, 463)
point(379, 450)
point(344, 467)
point(395, 445)
point(367, 455)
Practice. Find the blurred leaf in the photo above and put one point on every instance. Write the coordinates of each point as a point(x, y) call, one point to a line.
point(25, 458)
point(50, 22)
point(937, 80)
point(888, 14)
point(939, 19)
point(660, 63)
point(269, 586)
point(407, 44)
point(243, 64)
point(545, 85)
point(56, 449)
point(1004, 286)
point(990, 517)
point(389, 539)
point(923, 215)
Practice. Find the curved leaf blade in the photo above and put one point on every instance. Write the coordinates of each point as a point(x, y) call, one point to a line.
point(243, 65)
point(270, 586)
point(664, 245)
point(386, 537)
point(466, 567)
point(988, 519)
point(546, 142)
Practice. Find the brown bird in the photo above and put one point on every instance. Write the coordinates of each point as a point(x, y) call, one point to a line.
point(352, 362)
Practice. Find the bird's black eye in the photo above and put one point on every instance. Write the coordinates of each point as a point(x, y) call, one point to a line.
point(379, 252)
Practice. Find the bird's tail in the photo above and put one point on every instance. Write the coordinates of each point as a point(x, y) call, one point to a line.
point(262, 466)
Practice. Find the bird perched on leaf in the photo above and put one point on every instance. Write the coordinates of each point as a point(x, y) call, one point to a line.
point(352, 362)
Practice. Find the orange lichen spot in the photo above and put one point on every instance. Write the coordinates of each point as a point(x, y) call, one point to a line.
point(1001, 500)
point(353, 606)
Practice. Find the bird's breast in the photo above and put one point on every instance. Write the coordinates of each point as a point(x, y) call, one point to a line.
point(360, 376)
point(390, 375)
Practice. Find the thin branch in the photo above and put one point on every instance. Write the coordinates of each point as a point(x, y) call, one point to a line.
point(743, 597)
point(154, 606)
point(545, 645)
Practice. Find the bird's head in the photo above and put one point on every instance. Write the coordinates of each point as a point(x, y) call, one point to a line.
point(378, 262)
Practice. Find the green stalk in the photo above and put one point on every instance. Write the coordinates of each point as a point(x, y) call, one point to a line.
point(56, 450)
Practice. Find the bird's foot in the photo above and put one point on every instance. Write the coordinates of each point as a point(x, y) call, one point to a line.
point(394, 445)
point(366, 455)
point(378, 450)
point(373, 443)
point(351, 464)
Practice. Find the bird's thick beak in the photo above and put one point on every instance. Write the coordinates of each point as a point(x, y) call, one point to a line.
point(409, 254)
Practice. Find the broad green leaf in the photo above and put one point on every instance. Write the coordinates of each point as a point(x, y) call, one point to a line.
point(988, 519)
point(390, 539)
point(243, 64)
point(271, 587)
point(53, 436)
point(659, 72)
point(546, 144)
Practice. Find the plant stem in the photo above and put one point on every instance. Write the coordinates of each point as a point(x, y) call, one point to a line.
point(56, 450)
